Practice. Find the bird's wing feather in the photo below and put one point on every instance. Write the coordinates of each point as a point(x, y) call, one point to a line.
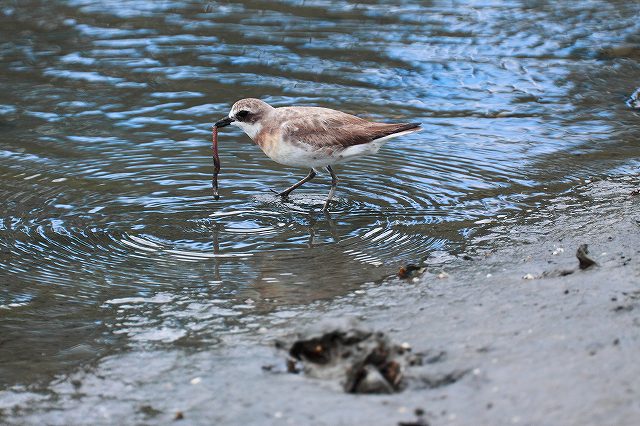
point(327, 128)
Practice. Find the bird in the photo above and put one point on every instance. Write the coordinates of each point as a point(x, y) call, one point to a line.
point(315, 138)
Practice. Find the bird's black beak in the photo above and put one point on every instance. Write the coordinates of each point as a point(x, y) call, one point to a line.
point(224, 122)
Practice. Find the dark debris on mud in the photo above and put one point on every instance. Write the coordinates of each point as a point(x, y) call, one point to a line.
point(584, 260)
point(409, 271)
point(419, 421)
point(363, 361)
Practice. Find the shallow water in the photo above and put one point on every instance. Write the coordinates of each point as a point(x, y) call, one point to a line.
point(109, 235)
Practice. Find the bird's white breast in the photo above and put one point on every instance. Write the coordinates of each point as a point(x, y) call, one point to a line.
point(251, 129)
point(292, 153)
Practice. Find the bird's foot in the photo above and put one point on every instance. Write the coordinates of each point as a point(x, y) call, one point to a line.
point(283, 194)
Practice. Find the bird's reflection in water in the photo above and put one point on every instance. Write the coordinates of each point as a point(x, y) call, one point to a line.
point(315, 227)
point(291, 276)
point(215, 235)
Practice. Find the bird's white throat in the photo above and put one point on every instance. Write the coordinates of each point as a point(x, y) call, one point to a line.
point(251, 129)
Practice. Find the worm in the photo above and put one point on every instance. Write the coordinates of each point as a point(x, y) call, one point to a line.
point(216, 162)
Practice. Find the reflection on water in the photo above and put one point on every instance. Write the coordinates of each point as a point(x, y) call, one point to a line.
point(109, 235)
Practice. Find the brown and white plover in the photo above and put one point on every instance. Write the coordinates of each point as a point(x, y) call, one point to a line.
point(311, 137)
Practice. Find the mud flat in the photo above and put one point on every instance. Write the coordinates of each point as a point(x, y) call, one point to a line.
point(520, 334)
point(515, 333)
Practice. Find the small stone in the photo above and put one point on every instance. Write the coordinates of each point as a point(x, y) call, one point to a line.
point(529, 277)
point(409, 270)
point(443, 275)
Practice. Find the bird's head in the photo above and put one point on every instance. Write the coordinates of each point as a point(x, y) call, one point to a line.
point(247, 114)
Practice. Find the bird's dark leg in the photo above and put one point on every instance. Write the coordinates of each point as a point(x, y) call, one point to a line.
point(334, 183)
point(287, 191)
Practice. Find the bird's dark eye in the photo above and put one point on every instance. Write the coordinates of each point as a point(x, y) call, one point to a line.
point(242, 114)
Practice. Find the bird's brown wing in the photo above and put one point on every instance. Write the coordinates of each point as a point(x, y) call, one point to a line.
point(327, 128)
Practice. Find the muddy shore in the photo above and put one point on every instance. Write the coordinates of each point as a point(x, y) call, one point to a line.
point(513, 334)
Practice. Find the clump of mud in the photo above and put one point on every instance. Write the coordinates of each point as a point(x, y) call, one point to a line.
point(363, 361)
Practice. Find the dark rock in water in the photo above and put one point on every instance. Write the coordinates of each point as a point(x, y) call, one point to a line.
point(634, 100)
point(364, 361)
point(583, 257)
